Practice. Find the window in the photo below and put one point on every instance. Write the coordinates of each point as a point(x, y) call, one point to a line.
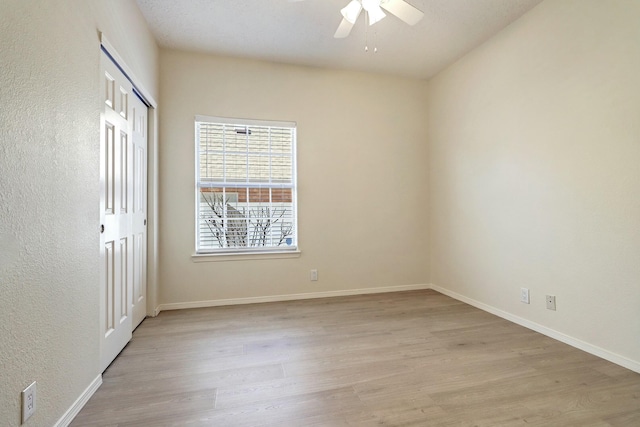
point(245, 186)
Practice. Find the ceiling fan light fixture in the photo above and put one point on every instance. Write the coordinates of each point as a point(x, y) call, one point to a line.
point(352, 11)
point(370, 4)
point(374, 11)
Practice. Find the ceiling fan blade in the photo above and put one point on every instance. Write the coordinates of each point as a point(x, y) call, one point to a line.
point(403, 10)
point(352, 11)
point(343, 29)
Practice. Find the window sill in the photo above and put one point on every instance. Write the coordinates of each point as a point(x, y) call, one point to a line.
point(245, 256)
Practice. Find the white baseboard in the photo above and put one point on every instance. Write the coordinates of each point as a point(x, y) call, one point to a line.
point(289, 297)
point(574, 342)
point(82, 400)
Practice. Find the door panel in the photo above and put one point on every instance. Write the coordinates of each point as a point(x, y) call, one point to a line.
point(108, 154)
point(109, 288)
point(115, 238)
point(124, 172)
point(122, 286)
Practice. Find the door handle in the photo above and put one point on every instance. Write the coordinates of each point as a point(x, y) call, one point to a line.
point(101, 228)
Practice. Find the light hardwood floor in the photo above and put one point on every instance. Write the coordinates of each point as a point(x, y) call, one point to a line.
point(398, 359)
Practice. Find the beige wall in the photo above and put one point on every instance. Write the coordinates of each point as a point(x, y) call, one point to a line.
point(49, 163)
point(534, 169)
point(361, 174)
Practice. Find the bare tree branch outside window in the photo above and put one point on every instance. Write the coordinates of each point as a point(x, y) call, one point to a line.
point(242, 227)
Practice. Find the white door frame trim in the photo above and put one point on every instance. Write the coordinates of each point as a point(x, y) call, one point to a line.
point(104, 42)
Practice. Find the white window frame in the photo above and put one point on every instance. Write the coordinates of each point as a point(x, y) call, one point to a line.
point(245, 252)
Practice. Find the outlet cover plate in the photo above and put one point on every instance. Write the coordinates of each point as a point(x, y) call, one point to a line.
point(551, 302)
point(524, 295)
point(28, 401)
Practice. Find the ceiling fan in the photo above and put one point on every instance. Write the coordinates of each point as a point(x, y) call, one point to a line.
point(374, 12)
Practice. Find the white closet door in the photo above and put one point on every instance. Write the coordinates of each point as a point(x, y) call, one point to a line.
point(139, 226)
point(116, 242)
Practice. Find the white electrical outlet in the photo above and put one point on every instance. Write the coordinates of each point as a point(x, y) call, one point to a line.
point(314, 275)
point(28, 401)
point(551, 302)
point(524, 295)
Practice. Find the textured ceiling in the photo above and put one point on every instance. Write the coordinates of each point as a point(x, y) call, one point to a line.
point(301, 32)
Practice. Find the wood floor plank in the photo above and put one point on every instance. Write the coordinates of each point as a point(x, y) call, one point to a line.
point(414, 358)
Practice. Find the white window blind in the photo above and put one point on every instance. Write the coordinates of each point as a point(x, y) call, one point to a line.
point(246, 193)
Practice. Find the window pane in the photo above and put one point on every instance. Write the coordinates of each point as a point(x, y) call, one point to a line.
point(234, 138)
point(236, 167)
point(212, 217)
point(260, 223)
point(282, 203)
point(281, 141)
point(258, 168)
point(259, 140)
point(282, 170)
point(211, 166)
point(210, 137)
